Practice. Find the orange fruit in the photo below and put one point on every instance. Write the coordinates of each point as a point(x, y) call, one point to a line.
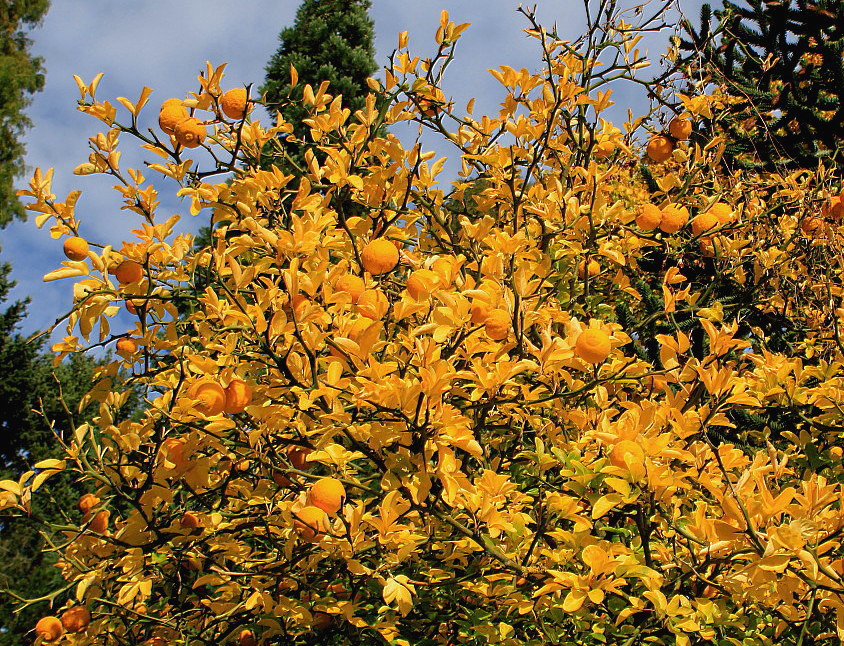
point(132, 305)
point(233, 103)
point(208, 396)
point(497, 325)
point(379, 256)
point(674, 218)
point(99, 524)
point(480, 312)
point(328, 494)
point(309, 522)
point(246, 636)
point(722, 211)
point(171, 113)
point(704, 222)
point(87, 502)
point(649, 218)
point(49, 628)
point(680, 128)
point(593, 268)
point(421, 283)
point(373, 304)
point(189, 132)
point(350, 284)
point(126, 346)
point(173, 448)
point(299, 302)
point(128, 272)
point(811, 225)
point(660, 148)
point(298, 457)
point(76, 619)
point(593, 346)
point(189, 520)
point(238, 396)
point(75, 248)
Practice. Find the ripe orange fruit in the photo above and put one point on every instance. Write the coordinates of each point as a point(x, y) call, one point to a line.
point(298, 457)
point(133, 305)
point(379, 256)
point(126, 346)
point(238, 396)
point(722, 211)
point(328, 494)
point(351, 284)
point(704, 222)
point(649, 218)
point(497, 325)
point(128, 272)
point(173, 448)
point(246, 636)
point(593, 346)
point(87, 502)
point(593, 268)
point(480, 312)
point(660, 148)
point(171, 113)
point(680, 128)
point(99, 524)
point(233, 103)
point(373, 304)
point(75, 248)
point(189, 520)
point(49, 628)
point(309, 522)
point(421, 283)
point(674, 218)
point(189, 132)
point(76, 619)
point(208, 396)
point(811, 225)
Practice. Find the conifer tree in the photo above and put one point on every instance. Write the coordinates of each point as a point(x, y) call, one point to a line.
point(782, 64)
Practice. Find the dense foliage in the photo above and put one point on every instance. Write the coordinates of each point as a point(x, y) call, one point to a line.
point(587, 393)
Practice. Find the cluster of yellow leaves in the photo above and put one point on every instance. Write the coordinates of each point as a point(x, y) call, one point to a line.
point(500, 487)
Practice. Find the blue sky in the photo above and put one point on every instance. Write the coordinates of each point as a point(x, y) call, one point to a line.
point(164, 44)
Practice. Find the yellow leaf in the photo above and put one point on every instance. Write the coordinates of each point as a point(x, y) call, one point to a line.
point(604, 504)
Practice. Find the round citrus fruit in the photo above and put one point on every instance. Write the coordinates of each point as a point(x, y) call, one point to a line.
point(75, 248)
point(350, 284)
point(208, 396)
point(373, 304)
point(189, 520)
point(593, 346)
point(172, 112)
point(497, 325)
point(246, 638)
point(480, 312)
point(328, 494)
point(674, 218)
point(238, 396)
point(309, 522)
point(233, 103)
point(421, 283)
point(649, 218)
point(298, 456)
point(174, 448)
point(128, 272)
point(660, 148)
point(49, 628)
point(722, 211)
point(126, 346)
point(76, 619)
point(592, 268)
point(379, 256)
point(704, 222)
point(680, 128)
point(189, 132)
point(87, 502)
point(99, 523)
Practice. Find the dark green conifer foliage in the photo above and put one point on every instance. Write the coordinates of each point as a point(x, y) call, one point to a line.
point(330, 40)
point(782, 61)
